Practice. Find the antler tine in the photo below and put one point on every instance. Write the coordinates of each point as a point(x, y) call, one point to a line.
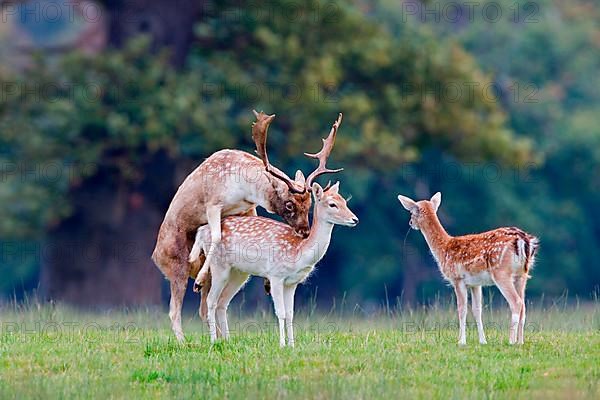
point(324, 154)
point(259, 134)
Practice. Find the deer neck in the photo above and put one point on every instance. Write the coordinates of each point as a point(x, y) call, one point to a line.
point(262, 193)
point(435, 236)
point(315, 246)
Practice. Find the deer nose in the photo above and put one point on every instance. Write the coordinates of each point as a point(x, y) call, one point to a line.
point(355, 220)
point(304, 232)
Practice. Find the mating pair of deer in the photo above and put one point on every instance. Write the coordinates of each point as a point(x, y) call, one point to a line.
point(241, 246)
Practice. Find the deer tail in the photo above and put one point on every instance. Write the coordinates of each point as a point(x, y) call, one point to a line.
point(527, 246)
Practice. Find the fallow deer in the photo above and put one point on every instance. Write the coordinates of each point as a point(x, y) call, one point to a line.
point(503, 257)
point(229, 182)
point(264, 247)
point(299, 186)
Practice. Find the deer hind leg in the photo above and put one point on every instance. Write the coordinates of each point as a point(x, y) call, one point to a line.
point(461, 305)
point(178, 286)
point(504, 282)
point(520, 283)
point(195, 266)
point(237, 280)
point(203, 309)
point(476, 302)
point(213, 215)
point(218, 282)
point(288, 299)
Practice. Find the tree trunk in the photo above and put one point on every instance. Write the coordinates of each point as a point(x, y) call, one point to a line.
point(170, 24)
point(100, 256)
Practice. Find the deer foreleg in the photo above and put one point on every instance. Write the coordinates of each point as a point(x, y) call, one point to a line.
point(288, 298)
point(461, 303)
point(279, 303)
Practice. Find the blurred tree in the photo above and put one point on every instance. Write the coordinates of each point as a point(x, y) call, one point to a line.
point(168, 24)
point(394, 83)
point(132, 127)
point(544, 60)
point(87, 156)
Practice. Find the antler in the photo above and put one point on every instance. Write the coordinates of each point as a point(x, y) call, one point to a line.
point(259, 134)
point(324, 154)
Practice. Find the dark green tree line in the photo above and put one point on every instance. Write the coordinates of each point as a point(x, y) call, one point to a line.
point(130, 126)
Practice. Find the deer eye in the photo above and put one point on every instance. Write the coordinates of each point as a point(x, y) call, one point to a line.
point(289, 206)
point(333, 205)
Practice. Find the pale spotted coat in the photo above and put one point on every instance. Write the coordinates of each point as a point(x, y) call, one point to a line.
point(264, 247)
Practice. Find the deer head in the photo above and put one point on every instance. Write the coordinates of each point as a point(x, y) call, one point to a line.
point(420, 210)
point(332, 207)
point(292, 201)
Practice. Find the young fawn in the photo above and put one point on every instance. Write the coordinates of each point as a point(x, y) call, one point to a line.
point(501, 257)
point(265, 247)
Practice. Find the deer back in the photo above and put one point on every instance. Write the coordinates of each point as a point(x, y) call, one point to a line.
point(490, 250)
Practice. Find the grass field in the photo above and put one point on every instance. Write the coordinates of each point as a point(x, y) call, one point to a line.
point(56, 352)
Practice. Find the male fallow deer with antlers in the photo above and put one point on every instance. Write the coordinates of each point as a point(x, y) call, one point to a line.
point(264, 247)
point(502, 257)
point(229, 182)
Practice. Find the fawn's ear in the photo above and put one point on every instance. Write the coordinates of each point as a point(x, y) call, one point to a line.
point(317, 191)
point(436, 200)
point(407, 202)
point(335, 188)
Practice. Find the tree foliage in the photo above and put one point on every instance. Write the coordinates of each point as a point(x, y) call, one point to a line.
point(406, 128)
point(542, 58)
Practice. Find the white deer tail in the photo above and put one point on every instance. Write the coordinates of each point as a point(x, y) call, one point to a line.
point(534, 244)
point(527, 246)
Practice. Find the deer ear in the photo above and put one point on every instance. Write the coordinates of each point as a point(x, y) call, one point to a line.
point(317, 191)
point(335, 188)
point(436, 200)
point(300, 179)
point(407, 202)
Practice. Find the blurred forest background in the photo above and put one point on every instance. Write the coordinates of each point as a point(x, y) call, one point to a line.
point(106, 106)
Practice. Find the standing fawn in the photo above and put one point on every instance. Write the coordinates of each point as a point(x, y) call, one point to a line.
point(501, 257)
point(264, 247)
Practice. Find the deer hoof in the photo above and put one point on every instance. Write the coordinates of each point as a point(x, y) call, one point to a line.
point(197, 287)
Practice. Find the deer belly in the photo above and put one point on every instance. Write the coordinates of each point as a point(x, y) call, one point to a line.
point(482, 278)
point(298, 276)
point(237, 209)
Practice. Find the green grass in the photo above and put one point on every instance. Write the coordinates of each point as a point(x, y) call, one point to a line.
point(57, 352)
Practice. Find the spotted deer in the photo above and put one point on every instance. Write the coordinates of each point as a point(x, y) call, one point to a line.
point(264, 247)
point(299, 186)
point(229, 182)
point(502, 257)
